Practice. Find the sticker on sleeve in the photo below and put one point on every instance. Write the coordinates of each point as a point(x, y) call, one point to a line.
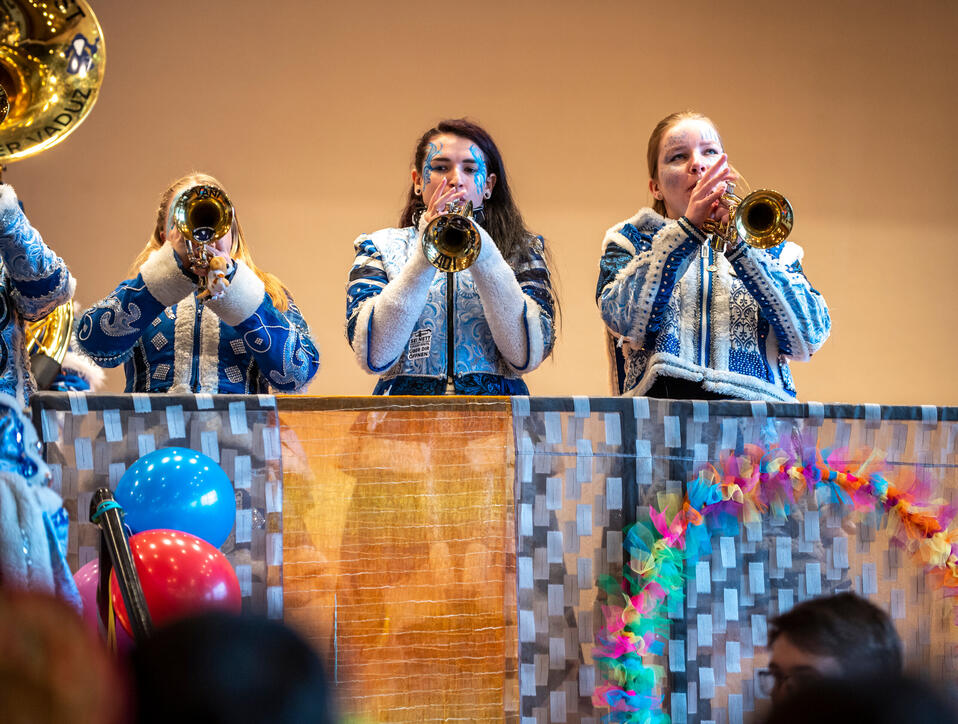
point(419, 344)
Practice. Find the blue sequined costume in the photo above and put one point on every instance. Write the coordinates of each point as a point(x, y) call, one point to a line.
point(33, 282)
point(421, 368)
point(33, 524)
point(731, 330)
point(169, 340)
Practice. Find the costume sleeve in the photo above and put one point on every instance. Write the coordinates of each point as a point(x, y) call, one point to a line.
point(108, 331)
point(518, 304)
point(279, 341)
point(40, 281)
point(381, 312)
point(641, 262)
point(796, 311)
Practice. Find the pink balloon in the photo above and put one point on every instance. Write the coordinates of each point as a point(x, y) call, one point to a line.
point(87, 579)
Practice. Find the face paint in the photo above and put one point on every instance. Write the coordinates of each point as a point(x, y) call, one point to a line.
point(688, 149)
point(481, 170)
point(459, 163)
point(431, 153)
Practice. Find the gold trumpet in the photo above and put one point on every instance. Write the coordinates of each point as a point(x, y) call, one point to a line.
point(204, 215)
point(762, 219)
point(451, 241)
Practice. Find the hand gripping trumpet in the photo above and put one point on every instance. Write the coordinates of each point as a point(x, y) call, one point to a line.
point(762, 219)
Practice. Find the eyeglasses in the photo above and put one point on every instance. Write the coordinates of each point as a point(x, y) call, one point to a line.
point(770, 680)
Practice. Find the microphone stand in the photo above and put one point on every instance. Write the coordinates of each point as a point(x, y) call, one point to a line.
point(450, 334)
point(115, 554)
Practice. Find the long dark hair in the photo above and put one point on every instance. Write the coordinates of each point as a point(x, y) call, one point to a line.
point(501, 217)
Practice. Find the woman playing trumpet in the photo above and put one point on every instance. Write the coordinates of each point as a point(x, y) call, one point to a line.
point(245, 336)
point(685, 321)
point(504, 308)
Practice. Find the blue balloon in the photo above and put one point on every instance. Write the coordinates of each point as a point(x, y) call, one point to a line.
point(179, 489)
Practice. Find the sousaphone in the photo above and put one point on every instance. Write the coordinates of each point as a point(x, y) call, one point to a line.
point(52, 60)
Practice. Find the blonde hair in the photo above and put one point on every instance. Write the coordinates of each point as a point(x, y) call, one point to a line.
point(277, 291)
point(655, 145)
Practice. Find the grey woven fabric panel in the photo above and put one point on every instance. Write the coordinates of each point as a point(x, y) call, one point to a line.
point(90, 441)
point(587, 467)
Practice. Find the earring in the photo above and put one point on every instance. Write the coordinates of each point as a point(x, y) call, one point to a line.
point(416, 191)
point(487, 195)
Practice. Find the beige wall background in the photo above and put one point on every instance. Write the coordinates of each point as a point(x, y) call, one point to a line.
point(308, 113)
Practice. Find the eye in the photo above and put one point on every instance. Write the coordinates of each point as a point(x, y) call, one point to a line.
point(677, 157)
point(711, 152)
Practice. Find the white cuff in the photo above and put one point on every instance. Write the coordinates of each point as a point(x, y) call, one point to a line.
point(242, 297)
point(164, 278)
point(503, 303)
point(9, 208)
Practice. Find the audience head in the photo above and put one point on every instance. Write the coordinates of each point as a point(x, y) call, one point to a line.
point(53, 669)
point(834, 637)
point(863, 701)
point(220, 668)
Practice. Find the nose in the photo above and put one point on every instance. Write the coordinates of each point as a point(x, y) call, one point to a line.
point(697, 163)
point(455, 178)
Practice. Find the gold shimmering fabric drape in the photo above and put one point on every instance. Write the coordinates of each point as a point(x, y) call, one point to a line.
point(399, 553)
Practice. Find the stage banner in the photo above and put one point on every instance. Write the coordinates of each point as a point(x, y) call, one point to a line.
point(399, 552)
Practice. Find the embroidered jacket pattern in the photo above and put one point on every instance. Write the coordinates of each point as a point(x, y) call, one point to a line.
point(480, 368)
point(732, 330)
point(168, 340)
point(33, 282)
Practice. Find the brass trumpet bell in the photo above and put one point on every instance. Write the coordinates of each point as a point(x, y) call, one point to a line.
point(204, 215)
point(52, 59)
point(764, 219)
point(451, 241)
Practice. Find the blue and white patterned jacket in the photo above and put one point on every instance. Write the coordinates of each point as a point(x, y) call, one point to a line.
point(170, 341)
point(33, 282)
point(730, 330)
point(421, 368)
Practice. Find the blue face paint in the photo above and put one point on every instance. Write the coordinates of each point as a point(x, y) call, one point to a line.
point(481, 171)
point(427, 169)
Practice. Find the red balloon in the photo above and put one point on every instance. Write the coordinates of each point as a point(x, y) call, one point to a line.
point(180, 574)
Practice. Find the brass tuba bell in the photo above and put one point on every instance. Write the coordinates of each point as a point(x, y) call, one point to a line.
point(451, 241)
point(204, 215)
point(762, 219)
point(52, 59)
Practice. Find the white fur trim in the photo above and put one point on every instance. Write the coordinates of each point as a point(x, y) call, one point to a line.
point(24, 548)
point(717, 381)
point(242, 297)
point(164, 278)
point(209, 363)
point(79, 363)
point(9, 208)
point(360, 336)
point(183, 345)
point(398, 307)
point(502, 304)
point(535, 342)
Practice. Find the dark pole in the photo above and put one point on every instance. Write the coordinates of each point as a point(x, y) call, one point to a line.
point(450, 333)
point(107, 514)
